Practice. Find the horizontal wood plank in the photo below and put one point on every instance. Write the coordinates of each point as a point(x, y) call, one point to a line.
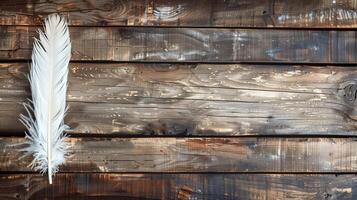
point(178, 186)
point(192, 45)
point(196, 99)
point(248, 154)
point(246, 13)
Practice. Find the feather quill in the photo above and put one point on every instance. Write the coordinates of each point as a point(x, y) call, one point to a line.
point(45, 113)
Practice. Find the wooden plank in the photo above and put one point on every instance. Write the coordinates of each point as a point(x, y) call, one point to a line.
point(192, 44)
point(247, 154)
point(178, 186)
point(196, 99)
point(243, 13)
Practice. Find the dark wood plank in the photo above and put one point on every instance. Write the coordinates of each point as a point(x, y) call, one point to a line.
point(192, 45)
point(196, 99)
point(248, 154)
point(233, 13)
point(178, 186)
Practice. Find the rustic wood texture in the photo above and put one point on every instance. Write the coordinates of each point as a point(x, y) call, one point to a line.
point(192, 45)
point(178, 187)
point(248, 154)
point(233, 13)
point(162, 87)
point(196, 99)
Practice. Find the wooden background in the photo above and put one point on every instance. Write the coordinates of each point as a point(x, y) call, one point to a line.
point(183, 99)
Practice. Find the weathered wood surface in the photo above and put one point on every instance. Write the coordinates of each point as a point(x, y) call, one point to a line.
point(248, 154)
point(196, 99)
point(191, 100)
point(178, 186)
point(192, 44)
point(246, 13)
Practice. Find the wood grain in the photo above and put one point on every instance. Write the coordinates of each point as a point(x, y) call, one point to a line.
point(243, 13)
point(178, 186)
point(248, 154)
point(192, 45)
point(196, 99)
point(191, 99)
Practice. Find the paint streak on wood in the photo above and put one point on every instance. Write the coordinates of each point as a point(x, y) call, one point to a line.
point(246, 13)
point(238, 155)
point(196, 99)
point(168, 186)
point(192, 44)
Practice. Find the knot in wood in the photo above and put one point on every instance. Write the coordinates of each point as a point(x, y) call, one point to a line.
point(350, 92)
point(184, 193)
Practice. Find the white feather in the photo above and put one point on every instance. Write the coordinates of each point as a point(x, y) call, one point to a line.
point(48, 79)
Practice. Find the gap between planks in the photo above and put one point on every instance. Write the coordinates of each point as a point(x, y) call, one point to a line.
point(148, 62)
